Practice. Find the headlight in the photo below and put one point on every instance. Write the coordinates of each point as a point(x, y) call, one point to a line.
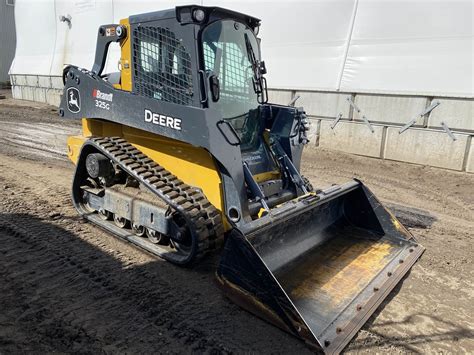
point(199, 15)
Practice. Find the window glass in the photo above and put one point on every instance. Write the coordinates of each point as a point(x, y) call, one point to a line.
point(226, 54)
point(229, 48)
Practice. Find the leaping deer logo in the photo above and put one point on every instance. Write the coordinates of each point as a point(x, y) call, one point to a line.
point(73, 102)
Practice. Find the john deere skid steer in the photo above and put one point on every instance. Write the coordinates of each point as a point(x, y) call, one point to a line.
point(181, 154)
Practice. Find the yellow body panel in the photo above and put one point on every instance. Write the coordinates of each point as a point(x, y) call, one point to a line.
point(193, 165)
point(270, 175)
point(74, 144)
point(125, 59)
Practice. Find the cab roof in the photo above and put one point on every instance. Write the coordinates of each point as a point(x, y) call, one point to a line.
point(184, 15)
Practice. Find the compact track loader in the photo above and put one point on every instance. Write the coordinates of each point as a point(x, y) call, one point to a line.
point(182, 154)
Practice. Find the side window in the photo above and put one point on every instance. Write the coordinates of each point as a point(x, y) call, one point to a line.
point(235, 70)
point(161, 66)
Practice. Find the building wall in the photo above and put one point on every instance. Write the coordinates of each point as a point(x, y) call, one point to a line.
point(7, 38)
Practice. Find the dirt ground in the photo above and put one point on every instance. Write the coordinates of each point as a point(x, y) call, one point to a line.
point(66, 286)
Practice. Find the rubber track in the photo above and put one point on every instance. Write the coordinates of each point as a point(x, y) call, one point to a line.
point(204, 219)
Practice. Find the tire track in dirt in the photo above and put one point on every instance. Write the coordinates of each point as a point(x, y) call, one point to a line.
point(85, 278)
point(121, 301)
point(399, 188)
point(24, 312)
point(34, 132)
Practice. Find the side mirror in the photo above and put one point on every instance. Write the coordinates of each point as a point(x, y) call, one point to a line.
point(214, 87)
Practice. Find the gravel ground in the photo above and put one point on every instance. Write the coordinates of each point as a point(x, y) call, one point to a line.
point(66, 286)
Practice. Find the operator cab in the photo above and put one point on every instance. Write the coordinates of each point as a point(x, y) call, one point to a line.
point(210, 58)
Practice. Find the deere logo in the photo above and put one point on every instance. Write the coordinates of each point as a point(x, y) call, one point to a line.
point(73, 100)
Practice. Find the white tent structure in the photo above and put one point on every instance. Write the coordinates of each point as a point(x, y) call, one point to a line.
point(383, 61)
point(387, 46)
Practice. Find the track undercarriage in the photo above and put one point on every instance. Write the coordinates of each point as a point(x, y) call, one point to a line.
point(123, 191)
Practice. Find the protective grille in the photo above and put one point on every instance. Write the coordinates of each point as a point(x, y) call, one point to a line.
point(162, 66)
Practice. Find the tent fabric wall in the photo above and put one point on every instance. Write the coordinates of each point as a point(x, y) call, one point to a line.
point(46, 50)
point(387, 46)
point(303, 42)
point(34, 48)
point(421, 47)
point(76, 43)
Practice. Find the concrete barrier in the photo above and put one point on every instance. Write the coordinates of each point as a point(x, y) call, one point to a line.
point(44, 81)
point(351, 137)
point(39, 88)
point(323, 104)
point(32, 80)
point(19, 80)
point(314, 131)
point(429, 147)
point(390, 109)
point(39, 94)
point(16, 92)
point(280, 97)
point(470, 158)
point(458, 114)
point(27, 93)
point(53, 96)
point(57, 82)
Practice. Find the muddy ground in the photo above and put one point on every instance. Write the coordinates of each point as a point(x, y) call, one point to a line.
point(66, 286)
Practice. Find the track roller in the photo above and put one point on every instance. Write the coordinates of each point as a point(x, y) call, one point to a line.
point(138, 230)
point(105, 215)
point(121, 222)
point(156, 237)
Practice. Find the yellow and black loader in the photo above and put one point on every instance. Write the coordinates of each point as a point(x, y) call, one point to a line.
point(181, 154)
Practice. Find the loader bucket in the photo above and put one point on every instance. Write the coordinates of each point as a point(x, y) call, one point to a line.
point(319, 269)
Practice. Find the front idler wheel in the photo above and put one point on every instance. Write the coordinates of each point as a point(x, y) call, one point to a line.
point(99, 167)
point(181, 239)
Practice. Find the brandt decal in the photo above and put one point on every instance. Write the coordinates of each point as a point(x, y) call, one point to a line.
point(97, 94)
point(73, 100)
point(100, 96)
